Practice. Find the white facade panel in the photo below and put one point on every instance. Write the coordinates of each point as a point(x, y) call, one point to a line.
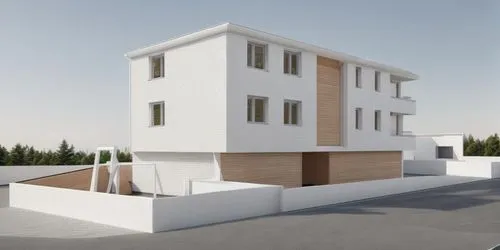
point(273, 136)
point(367, 138)
point(174, 170)
point(426, 146)
point(194, 93)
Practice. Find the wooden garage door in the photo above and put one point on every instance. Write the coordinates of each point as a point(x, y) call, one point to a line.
point(266, 168)
point(328, 102)
point(363, 166)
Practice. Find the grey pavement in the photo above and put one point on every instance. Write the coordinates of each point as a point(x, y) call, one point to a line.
point(465, 216)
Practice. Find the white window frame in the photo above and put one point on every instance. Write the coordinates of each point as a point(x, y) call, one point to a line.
point(253, 44)
point(358, 77)
point(378, 120)
point(266, 104)
point(162, 66)
point(288, 54)
point(162, 114)
point(299, 112)
point(377, 81)
point(358, 116)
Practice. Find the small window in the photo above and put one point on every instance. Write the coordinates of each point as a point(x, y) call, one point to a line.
point(257, 109)
point(358, 77)
point(377, 81)
point(359, 118)
point(398, 90)
point(378, 115)
point(256, 55)
point(291, 63)
point(157, 114)
point(157, 64)
point(444, 152)
point(292, 112)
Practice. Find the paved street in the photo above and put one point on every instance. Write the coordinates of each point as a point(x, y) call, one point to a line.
point(459, 217)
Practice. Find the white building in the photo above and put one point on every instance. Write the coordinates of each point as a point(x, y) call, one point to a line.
point(234, 103)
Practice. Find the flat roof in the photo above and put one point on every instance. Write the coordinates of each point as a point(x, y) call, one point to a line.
point(401, 74)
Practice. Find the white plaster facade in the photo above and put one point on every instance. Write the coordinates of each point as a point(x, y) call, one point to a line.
point(207, 82)
point(205, 91)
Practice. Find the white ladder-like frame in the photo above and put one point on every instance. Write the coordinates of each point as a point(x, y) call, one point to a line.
point(114, 174)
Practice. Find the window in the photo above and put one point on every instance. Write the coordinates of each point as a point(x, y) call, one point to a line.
point(256, 55)
point(444, 152)
point(291, 63)
point(398, 90)
point(157, 65)
point(377, 81)
point(358, 77)
point(157, 114)
point(292, 112)
point(257, 109)
point(359, 118)
point(378, 115)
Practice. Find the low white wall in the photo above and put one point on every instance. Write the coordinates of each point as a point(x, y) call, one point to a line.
point(201, 209)
point(424, 167)
point(426, 145)
point(307, 197)
point(204, 186)
point(10, 174)
point(477, 168)
point(131, 212)
point(495, 170)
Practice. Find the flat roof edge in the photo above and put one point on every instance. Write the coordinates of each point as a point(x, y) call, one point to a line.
point(261, 35)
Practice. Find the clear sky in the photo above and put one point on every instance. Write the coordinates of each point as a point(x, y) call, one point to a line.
point(63, 73)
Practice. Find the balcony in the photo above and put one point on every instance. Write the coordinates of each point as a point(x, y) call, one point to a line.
point(404, 105)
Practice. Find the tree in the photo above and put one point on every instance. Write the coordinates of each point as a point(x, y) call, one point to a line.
point(468, 140)
point(492, 146)
point(29, 157)
point(65, 154)
point(17, 154)
point(124, 156)
point(4, 156)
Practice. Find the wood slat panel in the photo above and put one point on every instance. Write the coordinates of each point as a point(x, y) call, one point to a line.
point(328, 102)
point(264, 168)
point(81, 179)
point(364, 166)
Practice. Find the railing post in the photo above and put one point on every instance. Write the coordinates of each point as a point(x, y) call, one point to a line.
point(154, 181)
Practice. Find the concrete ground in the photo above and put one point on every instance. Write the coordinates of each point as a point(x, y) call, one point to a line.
point(464, 216)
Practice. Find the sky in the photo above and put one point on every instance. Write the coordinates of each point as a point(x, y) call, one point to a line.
point(63, 73)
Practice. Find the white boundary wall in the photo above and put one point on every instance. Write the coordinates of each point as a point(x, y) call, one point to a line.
point(424, 167)
point(201, 209)
point(308, 197)
point(206, 186)
point(485, 167)
point(10, 174)
point(131, 212)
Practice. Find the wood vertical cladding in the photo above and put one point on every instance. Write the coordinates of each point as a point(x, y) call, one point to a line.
point(328, 102)
point(81, 179)
point(265, 168)
point(364, 166)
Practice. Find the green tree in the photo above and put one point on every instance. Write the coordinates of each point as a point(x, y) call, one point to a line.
point(65, 154)
point(124, 156)
point(79, 158)
point(468, 140)
point(492, 146)
point(17, 154)
point(29, 157)
point(4, 156)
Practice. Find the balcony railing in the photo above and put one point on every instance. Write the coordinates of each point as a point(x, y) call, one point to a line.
point(402, 133)
point(406, 98)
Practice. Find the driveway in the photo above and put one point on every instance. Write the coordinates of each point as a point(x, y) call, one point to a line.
point(459, 217)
